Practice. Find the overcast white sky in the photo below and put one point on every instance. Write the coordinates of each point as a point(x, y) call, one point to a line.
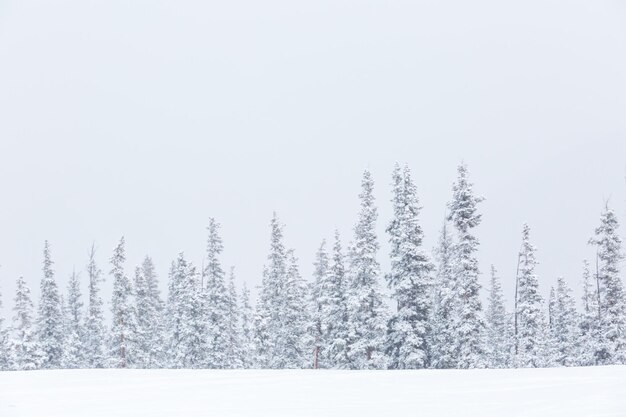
point(146, 118)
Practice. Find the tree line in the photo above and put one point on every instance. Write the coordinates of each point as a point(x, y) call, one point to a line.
point(341, 319)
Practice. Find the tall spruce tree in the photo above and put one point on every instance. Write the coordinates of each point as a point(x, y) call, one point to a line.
point(612, 304)
point(337, 319)
point(498, 334)
point(186, 317)
point(6, 361)
point(589, 323)
point(149, 338)
point(50, 316)
point(73, 352)
point(296, 347)
point(368, 312)
point(268, 317)
point(217, 300)
point(233, 359)
point(320, 307)
point(409, 279)
point(564, 326)
point(95, 330)
point(122, 341)
point(27, 354)
point(442, 336)
point(246, 330)
point(469, 325)
point(530, 319)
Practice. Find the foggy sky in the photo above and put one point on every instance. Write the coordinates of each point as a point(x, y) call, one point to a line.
point(146, 118)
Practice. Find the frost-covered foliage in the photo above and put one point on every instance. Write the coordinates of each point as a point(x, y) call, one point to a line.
point(5, 352)
point(367, 309)
point(338, 319)
point(246, 320)
point(122, 341)
point(280, 320)
point(50, 329)
point(217, 301)
point(149, 332)
point(497, 331)
point(95, 331)
point(612, 304)
point(563, 326)
point(530, 317)
point(469, 327)
point(589, 347)
point(25, 347)
point(73, 349)
point(409, 279)
point(186, 317)
point(442, 340)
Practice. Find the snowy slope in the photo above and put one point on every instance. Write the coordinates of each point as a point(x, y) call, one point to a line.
point(567, 392)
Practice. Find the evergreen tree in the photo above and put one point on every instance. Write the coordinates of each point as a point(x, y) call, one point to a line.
point(268, 319)
point(122, 338)
point(442, 353)
point(320, 307)
point(6, 361)
point(530, 319)
point(50, 316)
point(469, 324)
point(217, 301)
point(73, 352)
point(27, 354)
point(187, 317)
point(409, 279)
point(368, 313)
point(589, 346)
point(246, 333)
point(612, 303)
point(336, 319)
point(95, 331)
point(564, 326)
point(280, 320)
point(497, 335)
point(233, 357)
point(149, 324)
point(296, 347)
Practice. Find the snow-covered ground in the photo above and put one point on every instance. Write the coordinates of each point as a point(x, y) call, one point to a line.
point(570, 392)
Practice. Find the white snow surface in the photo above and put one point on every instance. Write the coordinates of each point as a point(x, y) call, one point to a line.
point(571, 392)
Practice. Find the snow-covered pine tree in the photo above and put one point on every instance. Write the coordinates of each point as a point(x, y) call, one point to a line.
point(73, 351)
point(186, 317)
point(531, 321)
point(246, 330)
point(27, 354)
point(612, 303)
point(233, 358)
point(564, 326)
point(497, 332)
point(442, 336)
point(50, 316)
point(6, 361)
point(409, 279)
point(589, 323)
point(368, 312)
point(296, 345)
point(320, 307)
point(269, 308)
point(149, 317)
point(217, 301)
point(337, 318)
point(122, 338)
point(469, 324)
point(95, 332)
